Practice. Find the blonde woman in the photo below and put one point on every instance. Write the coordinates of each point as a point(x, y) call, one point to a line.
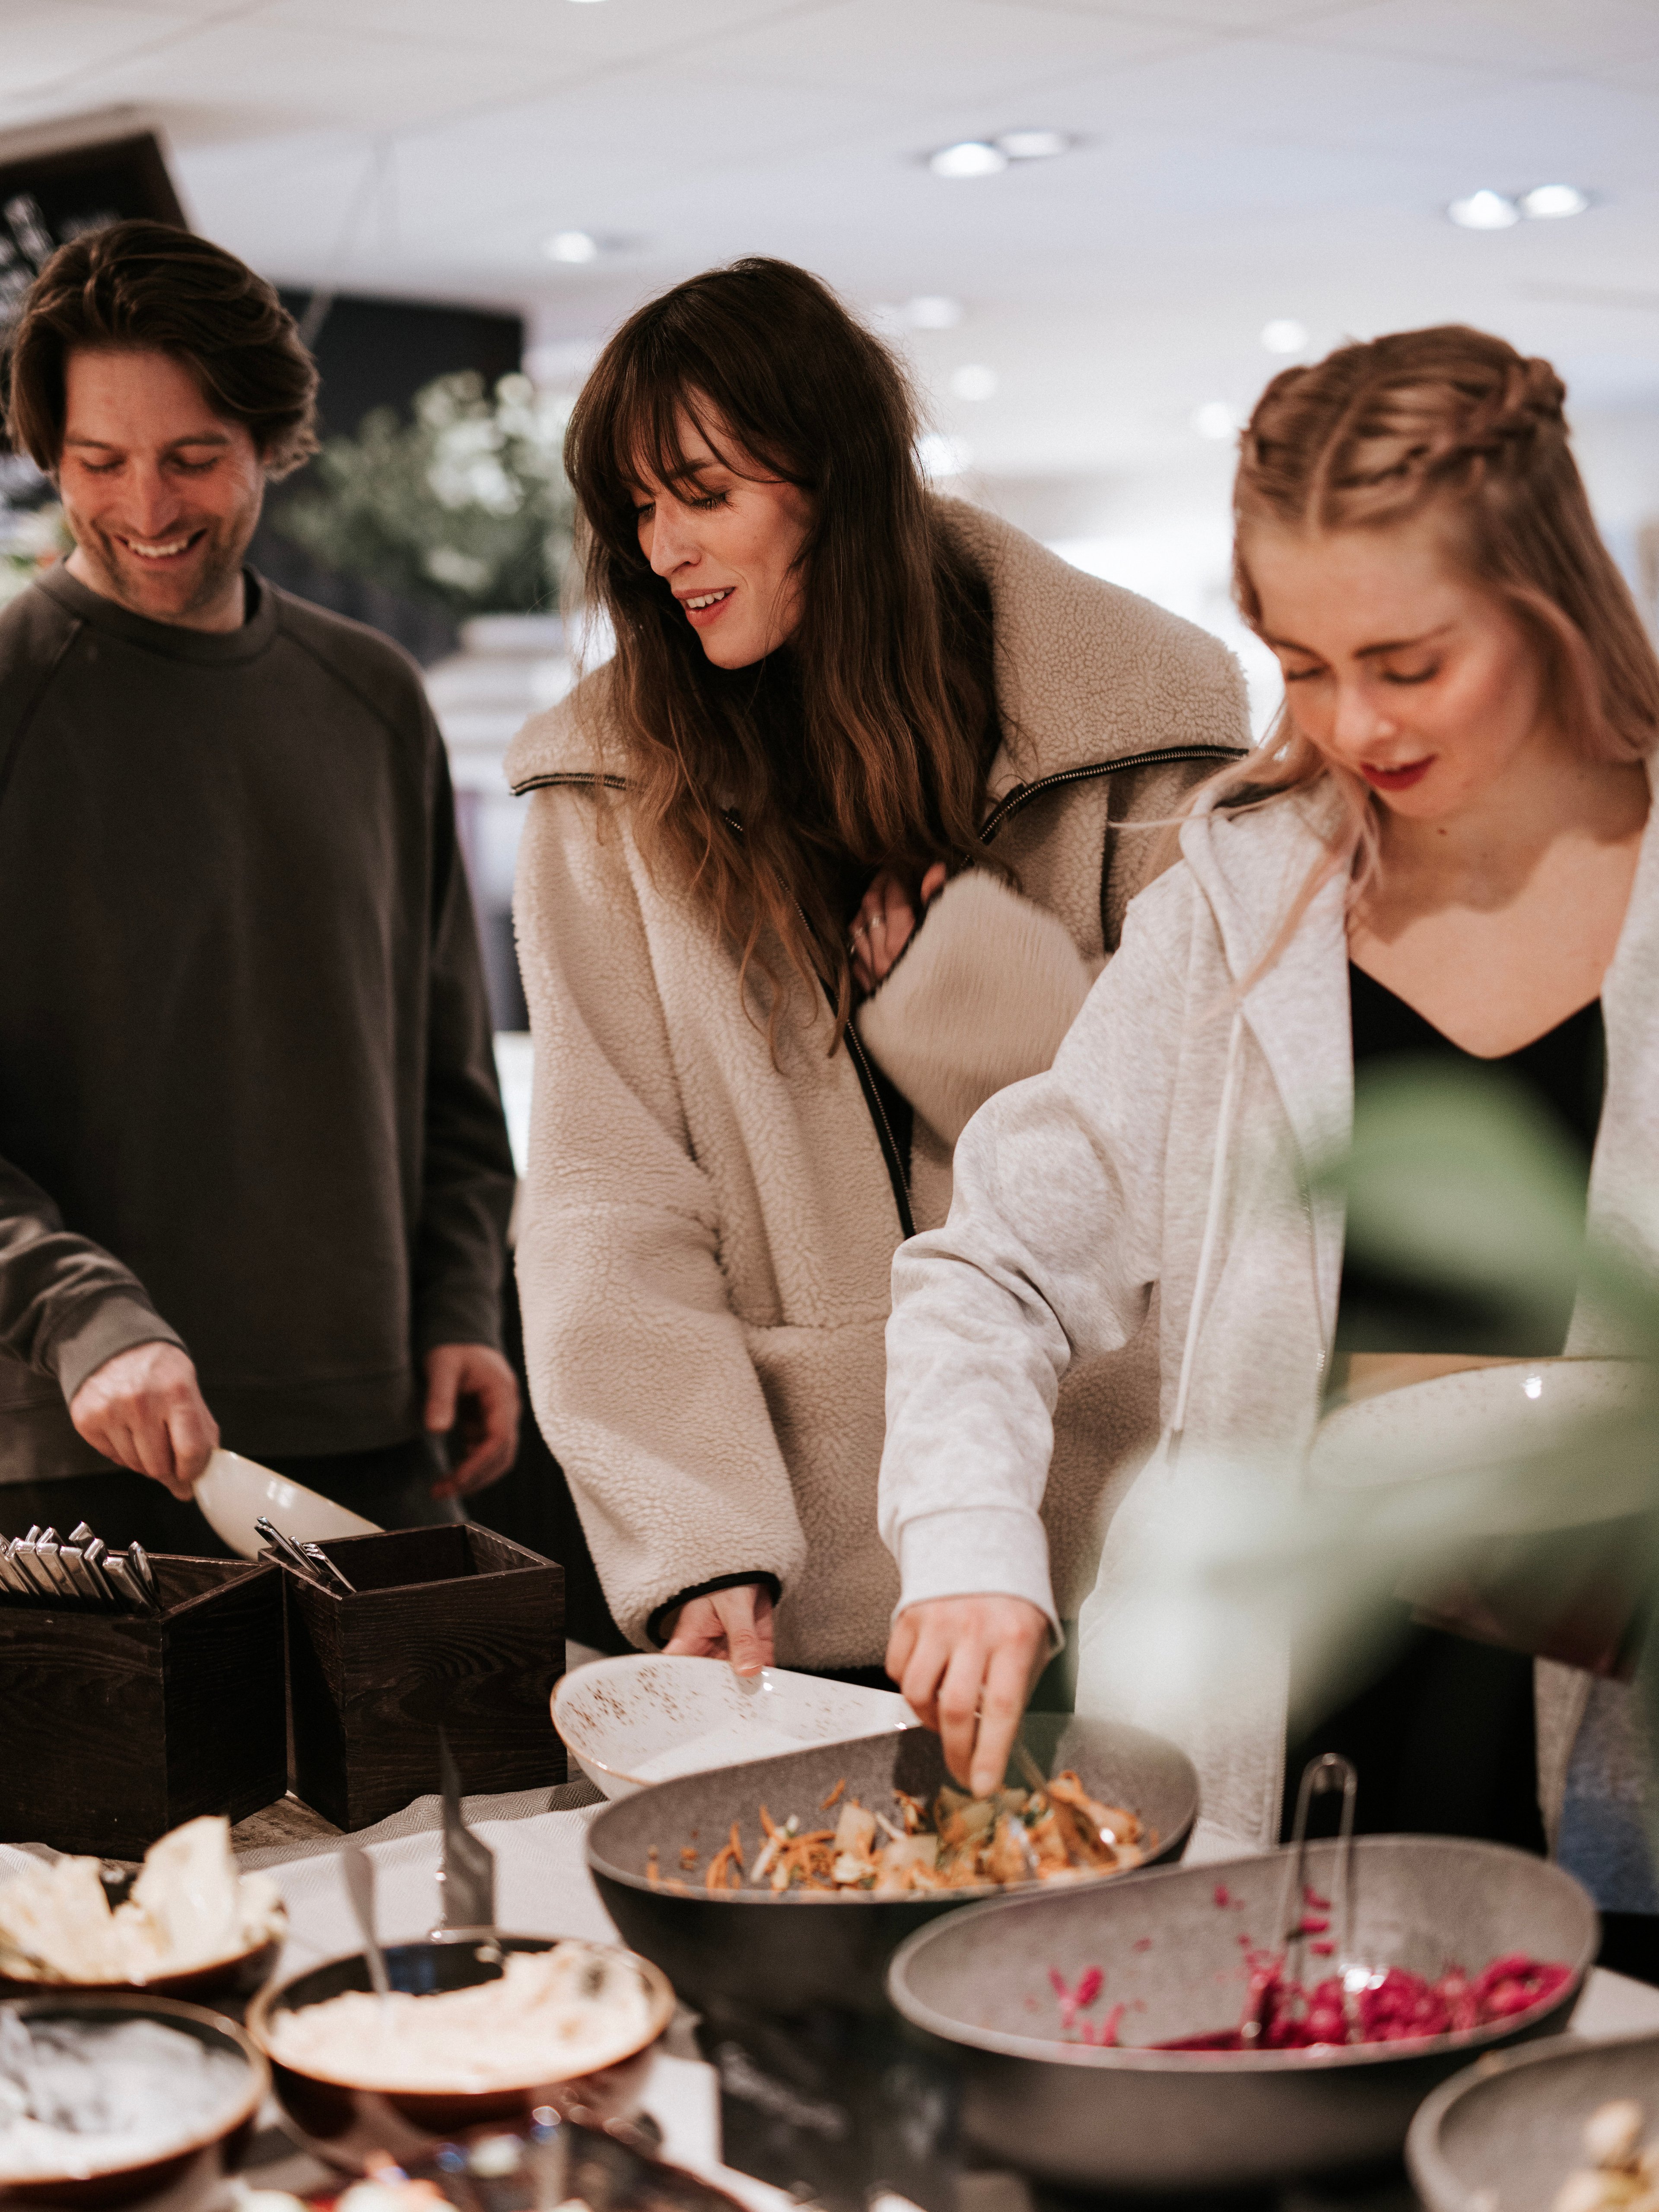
point(1444, 849)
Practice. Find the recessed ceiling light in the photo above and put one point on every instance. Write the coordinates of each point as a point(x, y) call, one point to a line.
point(932, 311)
point(973, 381)
point(940, 456)
point(969, 157)
point(1285, 335)
point(1547, 203)
point(572, 246)
point(1216, 418)
point(1485, 210)
point(1033, 145)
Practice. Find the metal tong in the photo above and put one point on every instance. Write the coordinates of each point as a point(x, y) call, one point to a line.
point(1327, 1772)
point(310, 1560)
point(78, 1569)
point(466, 1880)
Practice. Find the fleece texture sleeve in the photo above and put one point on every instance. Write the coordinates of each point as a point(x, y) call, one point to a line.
point(66, 1305)
point(1049, 1254)
point(467, 1177)
point(640, 1373)
point(983, 994)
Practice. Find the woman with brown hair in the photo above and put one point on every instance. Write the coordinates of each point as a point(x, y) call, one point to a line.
point(1441, 851)
point(837, 704)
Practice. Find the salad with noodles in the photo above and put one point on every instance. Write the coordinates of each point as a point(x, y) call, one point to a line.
point(1057, 1833)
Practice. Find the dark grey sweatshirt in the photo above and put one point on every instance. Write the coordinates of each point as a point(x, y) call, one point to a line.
point(247, 1098)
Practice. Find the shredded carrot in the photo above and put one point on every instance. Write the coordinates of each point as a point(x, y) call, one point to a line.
point(725, 1868)
point(653, 1873)
point(769, 1826)
point(828, 1802)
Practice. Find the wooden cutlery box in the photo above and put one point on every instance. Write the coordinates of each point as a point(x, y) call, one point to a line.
point(114, 1727)
point(454, 1627)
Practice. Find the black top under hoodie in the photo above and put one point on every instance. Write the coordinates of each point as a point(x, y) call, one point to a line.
point(248, 1097)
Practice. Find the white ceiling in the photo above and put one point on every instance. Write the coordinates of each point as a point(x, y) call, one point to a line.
point(1238, 159)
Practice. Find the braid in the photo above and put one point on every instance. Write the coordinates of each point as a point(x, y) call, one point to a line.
point(1375, 430)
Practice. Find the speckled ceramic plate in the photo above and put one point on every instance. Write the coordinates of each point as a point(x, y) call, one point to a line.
point(1503, 2134)
point(1482, 1417)
point(632, 1722)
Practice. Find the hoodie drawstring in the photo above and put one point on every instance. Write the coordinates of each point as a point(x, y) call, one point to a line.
point(1212, 1228)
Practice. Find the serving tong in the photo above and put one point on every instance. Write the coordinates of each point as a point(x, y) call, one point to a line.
point(1327, 1772)
point(310, 1560)
point(78, 1570)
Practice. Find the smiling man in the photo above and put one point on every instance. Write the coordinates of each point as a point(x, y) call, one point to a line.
point(253, 1171)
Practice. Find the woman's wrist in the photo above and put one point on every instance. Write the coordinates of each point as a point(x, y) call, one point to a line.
point(659, 1628)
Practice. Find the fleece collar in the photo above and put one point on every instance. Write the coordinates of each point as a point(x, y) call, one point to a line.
point(1085, 672)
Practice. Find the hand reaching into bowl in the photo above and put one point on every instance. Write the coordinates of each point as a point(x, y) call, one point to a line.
point(966, 1666)
point(733, 1623)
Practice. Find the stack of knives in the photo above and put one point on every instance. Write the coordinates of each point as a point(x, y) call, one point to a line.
point(78, 1570)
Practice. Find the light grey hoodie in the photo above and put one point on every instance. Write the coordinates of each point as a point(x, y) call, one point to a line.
point(1080, 1193)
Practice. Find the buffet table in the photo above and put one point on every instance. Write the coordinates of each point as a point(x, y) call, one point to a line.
point(543, 1887)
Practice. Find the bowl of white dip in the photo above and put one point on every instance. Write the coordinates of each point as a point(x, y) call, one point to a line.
point(631, 1722)
point(106, 2099)
point(471, 2032)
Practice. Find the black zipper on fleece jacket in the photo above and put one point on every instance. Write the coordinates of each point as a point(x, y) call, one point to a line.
point(1012, 803)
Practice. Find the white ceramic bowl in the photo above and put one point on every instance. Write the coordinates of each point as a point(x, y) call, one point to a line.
point(234, 1493)
point(1479, 1419)
point(628, 1722)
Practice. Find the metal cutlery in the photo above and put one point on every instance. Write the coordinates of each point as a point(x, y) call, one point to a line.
point(286, 1549)
point(466, 1880)
point(79, 1570)
point(358, 1869)
point(316, 1552)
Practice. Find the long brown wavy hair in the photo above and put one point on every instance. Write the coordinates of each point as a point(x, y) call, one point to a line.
point(1454, 421)
point(865, 743)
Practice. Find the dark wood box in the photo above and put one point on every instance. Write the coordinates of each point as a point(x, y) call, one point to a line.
point(116, 1726)
point(453, 1625)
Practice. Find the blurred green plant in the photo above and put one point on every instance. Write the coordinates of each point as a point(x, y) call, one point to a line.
point(30, 538)
point(1454, 1181)
point(466, 506)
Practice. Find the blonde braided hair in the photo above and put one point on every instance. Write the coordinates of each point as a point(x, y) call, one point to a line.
point(1456, 421)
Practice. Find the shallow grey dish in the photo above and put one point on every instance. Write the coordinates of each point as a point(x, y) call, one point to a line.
point(787, 1954)
point(1172, 2120)
point(1503, 2134)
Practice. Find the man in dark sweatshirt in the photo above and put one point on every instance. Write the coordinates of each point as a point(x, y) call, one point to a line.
point(254, 1177)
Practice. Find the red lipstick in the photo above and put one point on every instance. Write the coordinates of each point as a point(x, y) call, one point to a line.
point(1396, 779)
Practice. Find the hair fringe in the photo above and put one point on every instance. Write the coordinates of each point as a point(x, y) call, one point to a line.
point(894, 714)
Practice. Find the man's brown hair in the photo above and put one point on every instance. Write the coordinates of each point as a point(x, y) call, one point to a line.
point(155, 288)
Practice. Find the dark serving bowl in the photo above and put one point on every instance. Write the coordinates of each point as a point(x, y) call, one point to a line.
point(1170, 1949)
point(1509, 2131)
point(789, 1955)
point(344, 2122)
point(226, 1979)
point(193, 2171)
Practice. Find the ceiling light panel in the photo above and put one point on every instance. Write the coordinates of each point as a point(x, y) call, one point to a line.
point(1485, 210)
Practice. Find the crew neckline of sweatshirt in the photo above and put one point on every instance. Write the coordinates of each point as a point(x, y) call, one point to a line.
point(204, 649)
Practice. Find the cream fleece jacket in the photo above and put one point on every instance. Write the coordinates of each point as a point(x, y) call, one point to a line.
point(706, 1235)
point(1082, 1194)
